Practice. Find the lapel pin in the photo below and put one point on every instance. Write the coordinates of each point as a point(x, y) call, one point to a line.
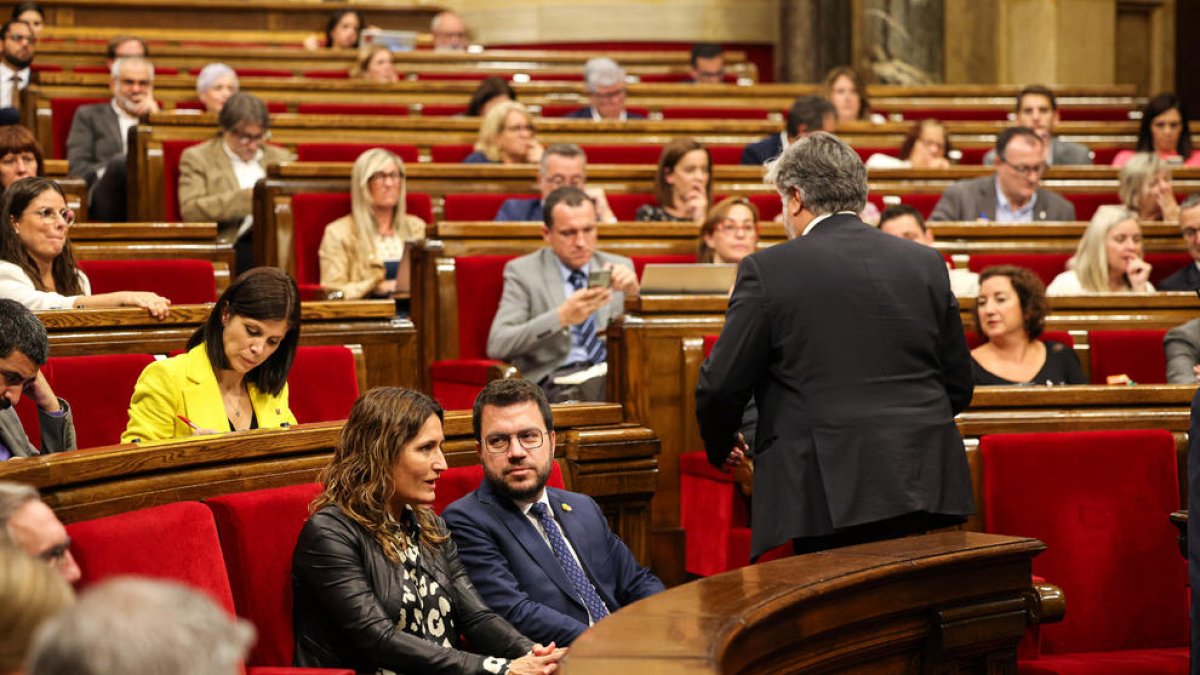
point(566, 507)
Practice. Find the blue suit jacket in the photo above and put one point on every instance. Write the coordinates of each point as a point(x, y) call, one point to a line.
point(520, 210)
point(762, 151)
point(517, 574)
point(1185, 279)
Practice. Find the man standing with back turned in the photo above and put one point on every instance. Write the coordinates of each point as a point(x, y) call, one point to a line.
point(850, 341)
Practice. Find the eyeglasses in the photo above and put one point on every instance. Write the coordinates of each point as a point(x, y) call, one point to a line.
point(386, 176)
point(518, 128)
point(243, 137)
point(1035, 170)
point(573, 181)
point(48, 214)
point(730, 227)
point(55, 555)
point(530, 439)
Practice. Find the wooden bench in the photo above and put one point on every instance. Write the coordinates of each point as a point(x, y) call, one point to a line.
point(113, 241)
point(389, 345)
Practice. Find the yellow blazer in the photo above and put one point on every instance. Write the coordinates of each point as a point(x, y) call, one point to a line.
point(186, 385)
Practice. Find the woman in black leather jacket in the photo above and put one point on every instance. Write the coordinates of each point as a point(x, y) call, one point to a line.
point(377, 581)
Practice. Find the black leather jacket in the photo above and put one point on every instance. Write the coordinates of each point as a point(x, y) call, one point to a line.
point(347, 599)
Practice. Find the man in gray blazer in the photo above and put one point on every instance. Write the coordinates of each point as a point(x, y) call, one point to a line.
point(1011, 195)
point(548, 321)
point(98, 131)
point(23, 351)
point(1038, 109)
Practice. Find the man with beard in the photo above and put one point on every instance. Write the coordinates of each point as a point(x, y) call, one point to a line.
point(543, 558)
point(23, 351)
point(99, 131)
point(14, 69)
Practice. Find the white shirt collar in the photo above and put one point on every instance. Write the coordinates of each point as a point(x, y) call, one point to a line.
point(822, 218)
point(7, 72)
point(121, 114)
point(543, 499)
point(596, 116)
point(256, 159)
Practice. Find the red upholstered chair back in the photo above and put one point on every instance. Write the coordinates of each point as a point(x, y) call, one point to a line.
point(348, 152)
point(459, 481)
point(1086, 203)
point(182, 281)
point(956, 113)
point(388, 109)
point(98, 389)
point(769, 206)
point(865, 151)
point(62, 114)
point(975, 339)
point(263, 72)
point(1045, 265)
point(258, 533)
point(171, 152)
point(1095, 114)
point(442, 109)
point(478, 206)
point(174, 541)
point(710, 341)
point(714, 113)
point(450, 154)
point(479, 280)
point(1164, 265)
point(1100, 501)
point(1136, 353)
point(921, 202)
point(323, 383)
point(640, 261)
point(625, 206)
point(1105, 156)
point(725, 155)
point(623, 153)
point(328, 74)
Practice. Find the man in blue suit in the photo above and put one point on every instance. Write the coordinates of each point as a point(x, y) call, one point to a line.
point(543, 558)
point(562, 164)
point(807, 114)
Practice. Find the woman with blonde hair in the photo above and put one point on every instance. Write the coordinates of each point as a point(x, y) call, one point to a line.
point(1108, 258)
point(375, 65)
point(1145, 188)
point(360, 253)
point(506, 136)
point(31, 592)
point(378, 585)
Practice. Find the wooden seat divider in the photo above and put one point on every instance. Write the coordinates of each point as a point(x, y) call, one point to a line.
point(389, 345)
point(101, 241)
point(601, 456)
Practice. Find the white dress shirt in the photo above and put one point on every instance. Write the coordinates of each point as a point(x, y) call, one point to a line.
point(6, 78)
point(247, 173)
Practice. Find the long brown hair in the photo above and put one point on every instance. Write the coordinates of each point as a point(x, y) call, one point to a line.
point(672, 153)
point(358, 480)
point(63, 270)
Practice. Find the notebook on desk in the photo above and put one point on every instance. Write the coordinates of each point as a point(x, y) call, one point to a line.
point(697, 279)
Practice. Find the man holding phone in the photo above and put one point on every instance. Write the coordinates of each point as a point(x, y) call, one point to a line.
point(557, 300)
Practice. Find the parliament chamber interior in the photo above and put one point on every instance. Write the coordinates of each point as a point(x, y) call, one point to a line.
point(1074, 558)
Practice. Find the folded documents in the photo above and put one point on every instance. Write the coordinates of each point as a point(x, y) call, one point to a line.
point(581, 376)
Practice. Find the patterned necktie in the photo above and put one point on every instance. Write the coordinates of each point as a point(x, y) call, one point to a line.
point(574, 572)
point(585, 332)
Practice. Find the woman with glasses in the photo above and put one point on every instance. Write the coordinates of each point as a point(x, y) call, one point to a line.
point(217, 177)
point(377, 584)
point(1108, 258)
point(37, 268)
point(1145, 188)
point(360, 253)
point(233, 376)
point(730, 232)
point(506, 136)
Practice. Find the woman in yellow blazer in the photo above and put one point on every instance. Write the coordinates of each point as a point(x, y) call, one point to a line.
point(234, 374)
point(360, 253)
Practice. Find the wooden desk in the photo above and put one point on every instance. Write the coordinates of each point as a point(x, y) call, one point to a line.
point(388, 344)
point(940, 603)
point(123, 241)
point(601, 456)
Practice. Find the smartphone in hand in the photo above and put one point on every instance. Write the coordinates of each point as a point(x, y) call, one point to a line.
point(599, 278)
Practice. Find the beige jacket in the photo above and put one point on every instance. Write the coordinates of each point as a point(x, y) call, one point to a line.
point(208, 188)
point(343, 269)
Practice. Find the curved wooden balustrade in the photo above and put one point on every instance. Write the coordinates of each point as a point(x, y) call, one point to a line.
point(944, 602)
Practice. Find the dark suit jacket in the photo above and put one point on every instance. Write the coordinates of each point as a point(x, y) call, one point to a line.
point(518, 576)
point(975, 198)
point(762, 151)
point(1186, 279)
point(586, 114)
point(520, 210)
point(850, 341)
point(1193, 529)
point(94, 139)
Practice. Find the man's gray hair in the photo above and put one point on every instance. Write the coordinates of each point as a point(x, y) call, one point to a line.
point(243, 108)
point(828, 174)
point(211, 73)
point(121, 62)
point(21, 331)
point(13, 496)
point(141, 627)
point(602, 72)
point(568, 150)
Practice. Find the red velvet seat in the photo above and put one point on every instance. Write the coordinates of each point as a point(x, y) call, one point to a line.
point(1095, 114)
point(623, 153)
point(328, 74)
point(258, 532)
point(865, 152)
point(479, 281)
point(1136, 353)
point(956, 113)
point(1045, 265)
point(442, 109)
point(714, 113)
point(323, 383)
point(389, 109)
point(172, 150)
point(769, 205)
point(348, 152)
point(183, 281)
point(311, 213)
point(729, 78)
point(1086, 203)
point(273, 107)
point(450, 153)
point(924, 203)
point(725, 155)
point(1164, 265)
point(478, 206)
point(972, 156)
point(1100, 501)
point(625, 206)
point(100, 413)
point(1105, 156)
point(62, 114)
point(264, 72)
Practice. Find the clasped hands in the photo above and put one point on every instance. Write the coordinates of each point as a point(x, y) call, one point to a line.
point(541, 660)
